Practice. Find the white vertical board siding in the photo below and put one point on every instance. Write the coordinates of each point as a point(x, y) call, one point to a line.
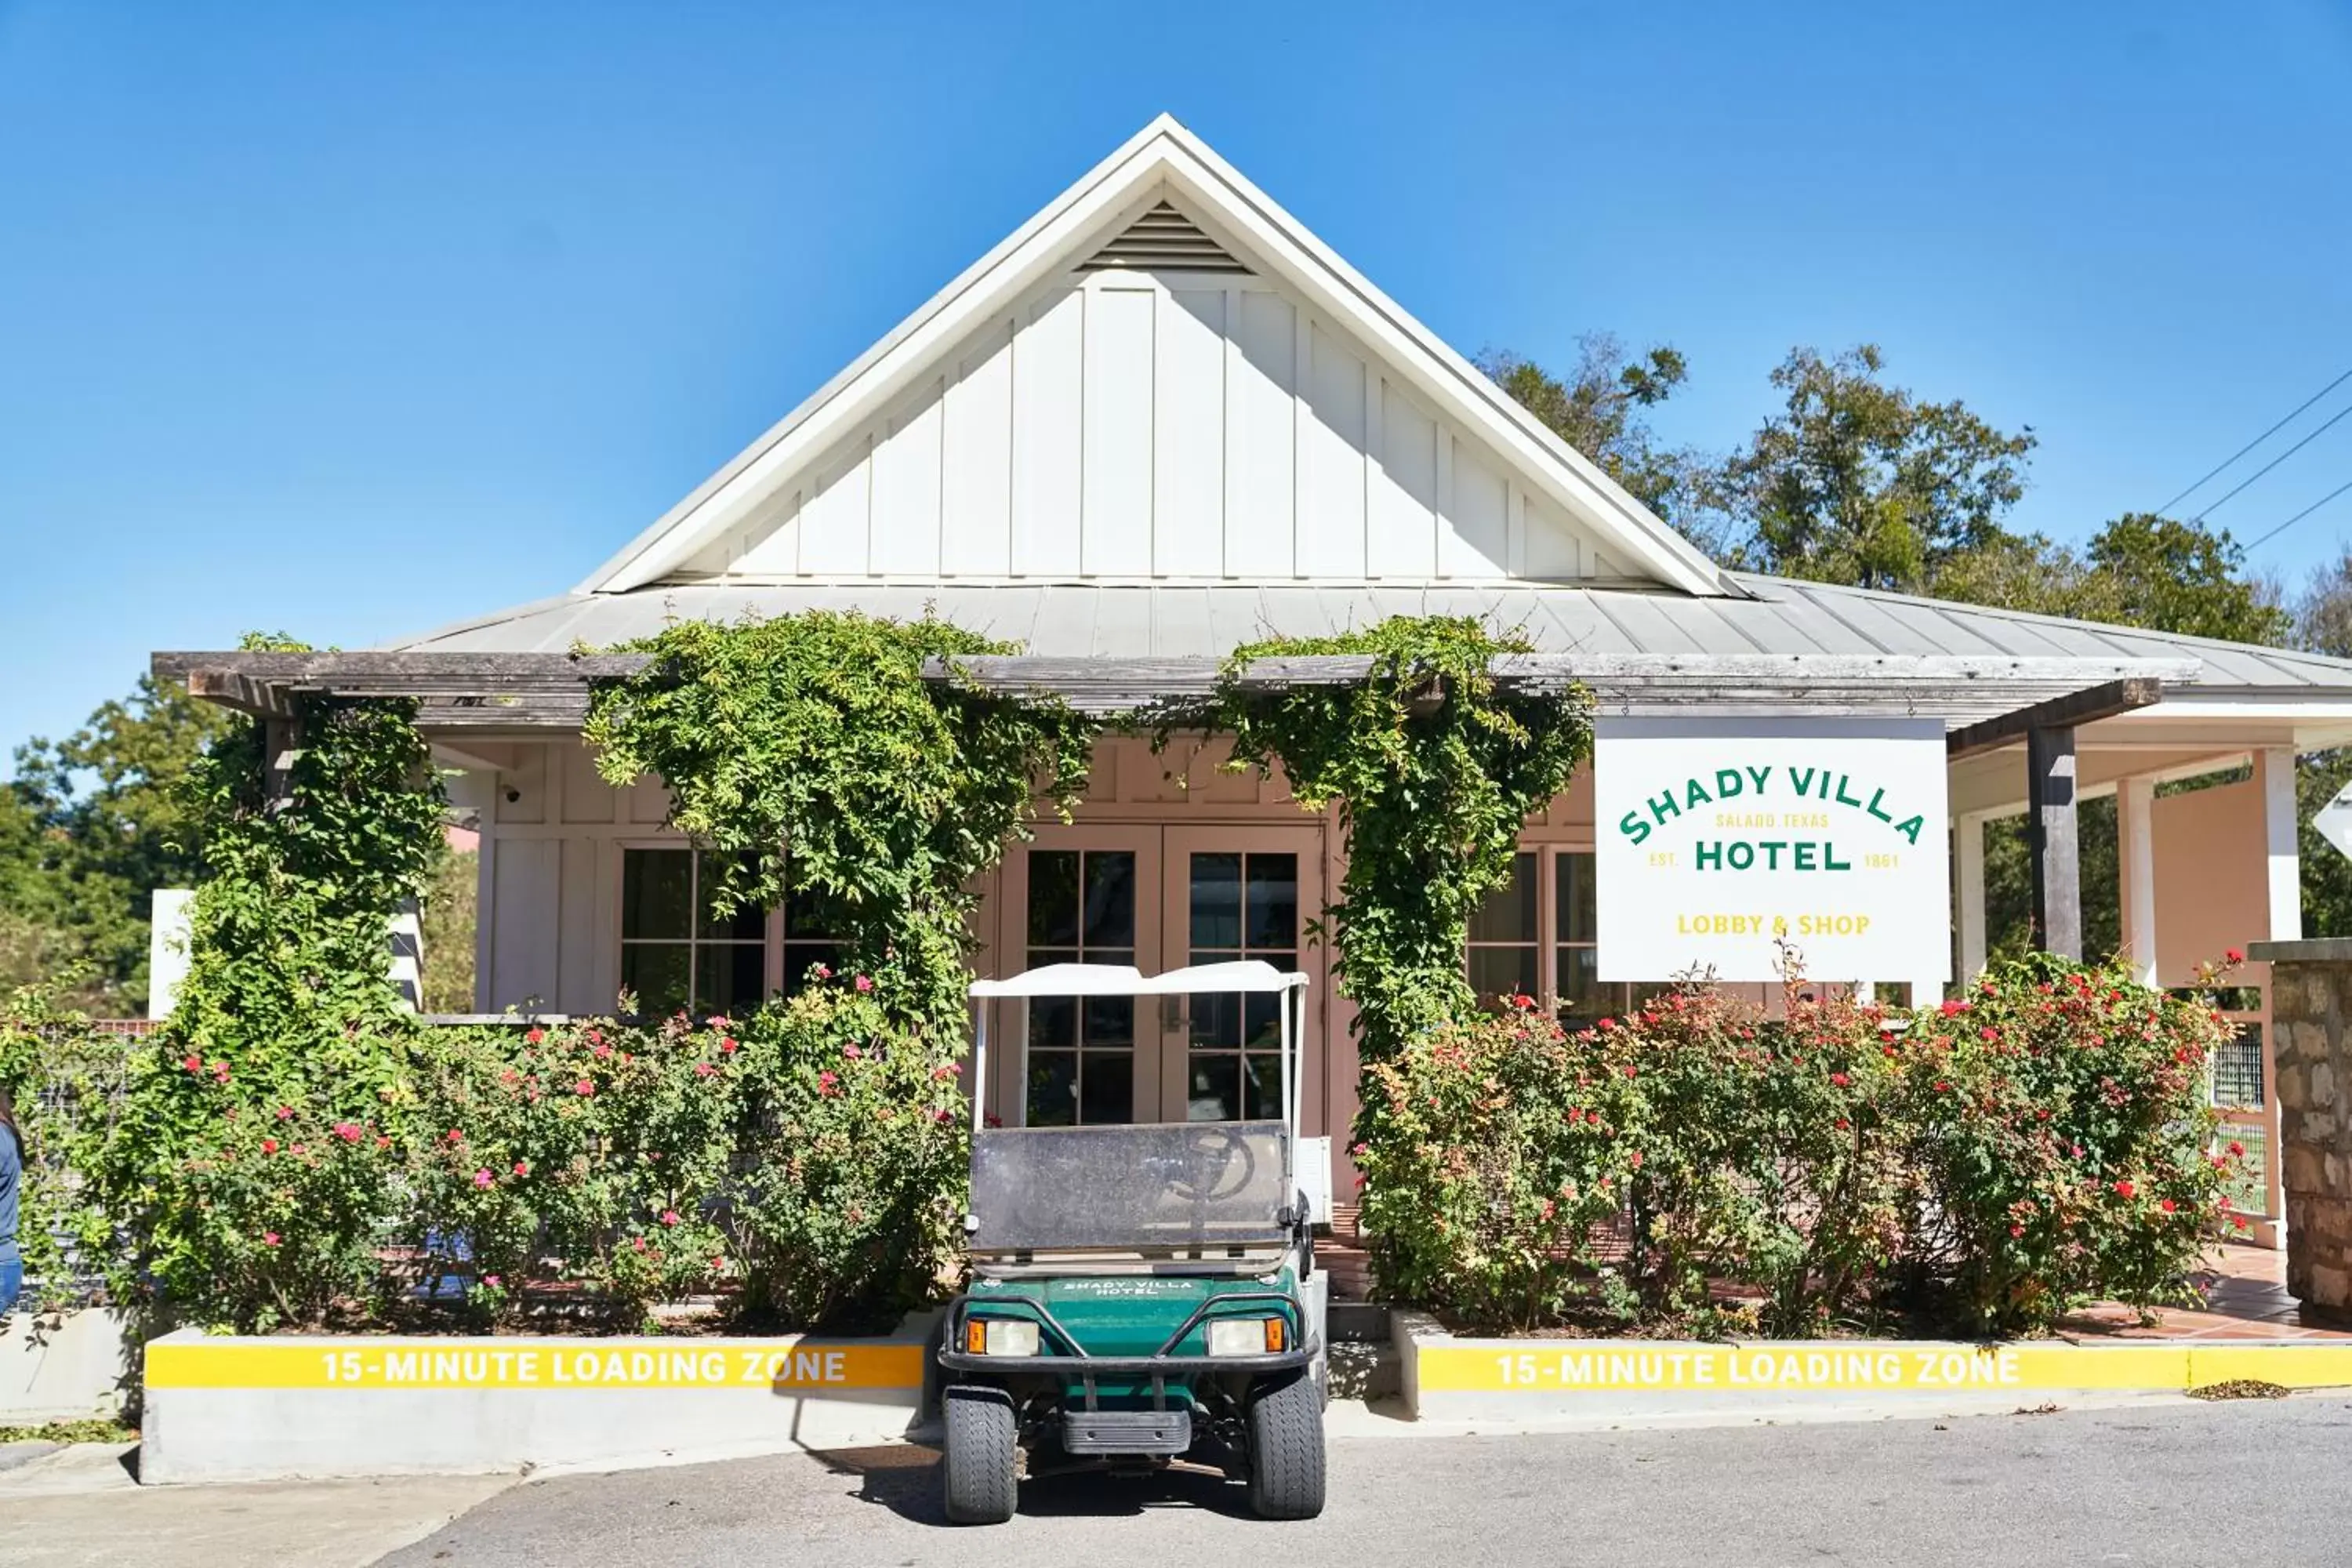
point(1180, 425)
point(1188, 435)
point(1475, 539)
point(976, 487)
point(834, 517)
point(906, 523)
point(1261, 440)
point(525, 913)
point(1401, 535)
point(1116, 432)
point(1332, 458)
point(1550, 550)
point(1048, 406)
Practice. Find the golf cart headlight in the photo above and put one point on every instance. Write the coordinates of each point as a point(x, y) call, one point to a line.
point(1001, 1336)
point(1246, 1336)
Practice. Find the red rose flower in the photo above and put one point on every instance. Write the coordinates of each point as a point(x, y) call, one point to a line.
point(2125, 1190)
point(535, 1036)
point(585, 1087)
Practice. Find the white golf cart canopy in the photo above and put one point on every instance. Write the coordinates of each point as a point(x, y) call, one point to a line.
point(1126, 980)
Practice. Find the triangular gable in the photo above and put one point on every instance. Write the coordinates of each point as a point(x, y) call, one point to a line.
point(1162, 250)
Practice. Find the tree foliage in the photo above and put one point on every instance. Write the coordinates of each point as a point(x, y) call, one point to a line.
point(1859, 481)
point(1600, 408)
point(1433, 767)
point(92, 826)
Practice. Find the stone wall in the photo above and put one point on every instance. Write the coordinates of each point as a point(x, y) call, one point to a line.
point(2311, 1022)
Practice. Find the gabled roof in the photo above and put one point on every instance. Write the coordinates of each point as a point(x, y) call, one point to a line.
point(1162, 160)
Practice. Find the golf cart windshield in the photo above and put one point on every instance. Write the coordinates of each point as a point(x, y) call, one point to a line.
point(1203, 1188)
point(1182, 1186)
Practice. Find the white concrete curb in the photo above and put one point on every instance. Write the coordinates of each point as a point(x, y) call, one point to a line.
point(223, 1408)
point(1452, 1379)
point(66, 1369)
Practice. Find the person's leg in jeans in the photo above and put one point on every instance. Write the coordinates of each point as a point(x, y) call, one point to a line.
point(12, 1281)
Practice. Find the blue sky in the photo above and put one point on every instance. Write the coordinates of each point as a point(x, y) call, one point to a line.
point(350, 319)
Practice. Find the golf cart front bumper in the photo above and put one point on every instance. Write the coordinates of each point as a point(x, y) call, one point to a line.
point(1165, 1364)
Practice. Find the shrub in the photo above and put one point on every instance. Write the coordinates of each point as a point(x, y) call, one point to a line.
point(1776, 1163)
point(808, 1155)
point(2065, 1140)
point(851, 1174)
point(590, 1156)
point(1989, 1164)
point(254, 1200)
point(64, 1077)
point(1492, 1152)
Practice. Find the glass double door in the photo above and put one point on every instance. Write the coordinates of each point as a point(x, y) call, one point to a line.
point(1160, 899)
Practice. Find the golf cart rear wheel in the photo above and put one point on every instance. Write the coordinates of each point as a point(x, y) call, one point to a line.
point(1286, 1454)
point(983, 1451)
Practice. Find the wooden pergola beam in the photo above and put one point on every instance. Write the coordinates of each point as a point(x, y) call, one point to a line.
point(1978, 695)
point(2074, 709)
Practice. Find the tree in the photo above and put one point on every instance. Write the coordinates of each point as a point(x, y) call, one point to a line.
point(2173, 576)
point(1598, 408)
point(1857, 481)
point(92, 826)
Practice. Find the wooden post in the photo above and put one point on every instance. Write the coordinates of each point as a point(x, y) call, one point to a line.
point(2050, 839)
point(279, 737)
point(1969, 830)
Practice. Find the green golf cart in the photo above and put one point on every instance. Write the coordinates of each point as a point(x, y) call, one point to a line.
point(1138, 1294)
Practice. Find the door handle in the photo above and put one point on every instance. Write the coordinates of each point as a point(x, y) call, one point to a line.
point(1173, 1015)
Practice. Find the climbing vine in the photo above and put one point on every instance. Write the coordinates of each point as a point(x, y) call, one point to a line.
point(815, 737)
point(246, 1169)
point(1434, 766)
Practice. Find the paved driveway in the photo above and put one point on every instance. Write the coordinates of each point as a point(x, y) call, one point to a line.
point(2171, 1483)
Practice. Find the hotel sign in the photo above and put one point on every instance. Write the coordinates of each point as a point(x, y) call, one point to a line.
point(1717, 841)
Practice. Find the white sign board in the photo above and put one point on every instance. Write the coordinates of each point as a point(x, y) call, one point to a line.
point(1716, 839)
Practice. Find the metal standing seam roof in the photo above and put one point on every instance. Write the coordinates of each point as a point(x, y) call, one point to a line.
point(1082, 620)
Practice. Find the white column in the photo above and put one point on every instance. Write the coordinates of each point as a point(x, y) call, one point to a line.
point(2136, 870)
point(2274, 771)
point(1969, 853)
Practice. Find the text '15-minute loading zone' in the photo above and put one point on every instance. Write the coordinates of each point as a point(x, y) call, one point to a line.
point(1140, 1293)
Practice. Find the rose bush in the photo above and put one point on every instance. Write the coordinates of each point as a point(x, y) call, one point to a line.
point(1986, 1165)
point(1492, 1153)
point(2066, 1142)
point(851, 1168)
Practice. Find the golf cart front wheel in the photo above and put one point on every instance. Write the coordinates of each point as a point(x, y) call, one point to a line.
point(982, 1453)
point(1286, 1457)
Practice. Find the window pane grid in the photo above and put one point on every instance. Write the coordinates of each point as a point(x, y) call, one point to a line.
point(1081, 1051)
point(1243, 905)
point(675, 953)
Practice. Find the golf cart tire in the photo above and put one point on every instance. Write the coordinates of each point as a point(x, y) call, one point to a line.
point(1285, 1452)
point(981, 1455)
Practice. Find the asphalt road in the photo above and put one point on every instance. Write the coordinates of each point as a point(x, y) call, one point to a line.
point(2256, 1483)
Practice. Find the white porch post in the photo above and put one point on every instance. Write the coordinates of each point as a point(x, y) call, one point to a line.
point(2274, 771)
point(1968, 829)
point(2136, 869)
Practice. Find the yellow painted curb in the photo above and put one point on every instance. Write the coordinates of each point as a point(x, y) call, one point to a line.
point(1507, 1366)
point(766, 1365)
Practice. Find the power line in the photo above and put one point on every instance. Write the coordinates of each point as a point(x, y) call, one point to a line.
point(2249, 445)
point(2275, 462)
point(2298, 517)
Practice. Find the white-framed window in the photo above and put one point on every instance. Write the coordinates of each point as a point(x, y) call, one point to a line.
point(675, 953)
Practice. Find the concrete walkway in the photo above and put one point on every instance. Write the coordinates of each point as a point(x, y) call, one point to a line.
point(78, 1507)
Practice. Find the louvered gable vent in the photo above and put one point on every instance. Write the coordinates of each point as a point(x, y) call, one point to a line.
point(1163, 240)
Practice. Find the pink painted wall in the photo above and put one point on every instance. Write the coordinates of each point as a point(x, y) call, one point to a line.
point(2210, 893)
